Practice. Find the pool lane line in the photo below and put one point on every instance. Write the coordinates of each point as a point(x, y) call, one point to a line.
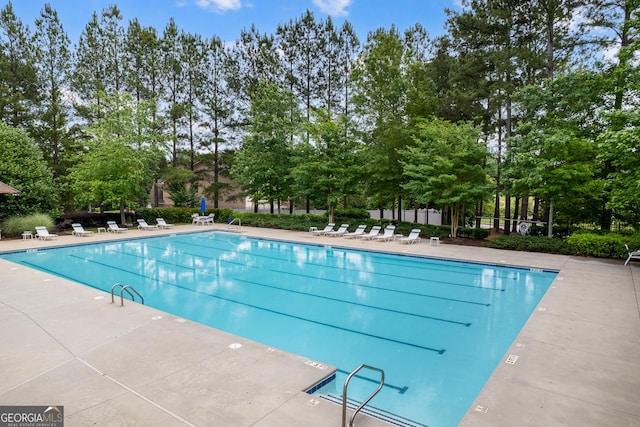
point(466, 265)
point(483, 288)
point(348, 283)
point(309, 276)
point(329, 325)
point(404, 313)
point(438, 319)
point(430, 268)
point(400, 390)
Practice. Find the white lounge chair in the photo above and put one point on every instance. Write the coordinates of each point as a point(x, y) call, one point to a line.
point(357, 233)
point(375, 230)
point(161, 223)
point(388, 234)
point(78, 230)
point(339, 232)
point(413, 237)
point(142, 225)
point(632, 254)
point(114, 228)
point(324, 231)
point(43, 233)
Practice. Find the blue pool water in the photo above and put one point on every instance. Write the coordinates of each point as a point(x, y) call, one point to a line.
point(437, 328)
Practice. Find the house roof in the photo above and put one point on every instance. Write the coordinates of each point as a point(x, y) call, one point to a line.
point(7, 189)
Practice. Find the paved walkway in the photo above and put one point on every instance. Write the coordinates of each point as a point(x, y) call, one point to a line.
point(62, 343)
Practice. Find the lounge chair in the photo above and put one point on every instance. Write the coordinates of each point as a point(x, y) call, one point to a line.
point(388, 234)
point(43, 234)
point(79, 231)
point(142, 225)
point(324, 231)
point(375, 230)
point(342, 230)
point(632, 254)
point(357, 233)
point(114, 228)
point(161, 223)
point(413, 237)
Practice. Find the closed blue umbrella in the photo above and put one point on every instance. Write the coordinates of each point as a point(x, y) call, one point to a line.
point(203, 206)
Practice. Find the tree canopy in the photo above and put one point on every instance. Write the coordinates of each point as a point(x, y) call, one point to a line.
point(311, 115)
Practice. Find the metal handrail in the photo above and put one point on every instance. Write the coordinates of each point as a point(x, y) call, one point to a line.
point(123, 289)
point(234, 220)
point(363, 404)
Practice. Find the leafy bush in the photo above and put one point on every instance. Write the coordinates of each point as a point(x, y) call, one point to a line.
point(351, 214)
point(474, 233)
point(603, 246)
point(531, 244)
point(87, 219)
point(181, 215)
point(16, 225)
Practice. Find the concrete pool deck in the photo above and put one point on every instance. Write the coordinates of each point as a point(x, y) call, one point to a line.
point(62, 343)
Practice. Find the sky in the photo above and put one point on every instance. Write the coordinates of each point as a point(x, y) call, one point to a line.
point(226, 18)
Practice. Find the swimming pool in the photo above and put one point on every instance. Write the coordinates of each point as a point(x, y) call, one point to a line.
point(438, 328)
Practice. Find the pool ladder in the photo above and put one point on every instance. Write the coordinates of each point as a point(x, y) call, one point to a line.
point(363, 404)
point(125, 288)
point(237, 221)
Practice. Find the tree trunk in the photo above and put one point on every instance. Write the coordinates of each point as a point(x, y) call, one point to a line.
point(550, 224)
point(507, 213)
point(516, 211)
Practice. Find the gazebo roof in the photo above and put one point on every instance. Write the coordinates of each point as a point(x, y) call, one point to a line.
point(7, 189)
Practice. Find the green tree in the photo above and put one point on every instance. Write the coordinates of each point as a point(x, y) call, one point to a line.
point(331, 168)
point(553, 150)
point(218, 107)
point(447, 167)
point(192, 57)
point(19, 94)
point(23, 167)
point(262, 167)
point(172, 82)
point(53, 64)
point(383, 78)
point(119, 166)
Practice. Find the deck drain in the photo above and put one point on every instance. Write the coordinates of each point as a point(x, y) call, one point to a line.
point(481, 409)
point(235, 346)
point(512, 359)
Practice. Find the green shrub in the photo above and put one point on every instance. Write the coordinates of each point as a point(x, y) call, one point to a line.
point(603, 246)
point(16, 225)
point(473, 233)
point(181, 215)
point(351, 214)
point(531, 244)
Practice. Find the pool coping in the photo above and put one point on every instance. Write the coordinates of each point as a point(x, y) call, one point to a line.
point(576, 361)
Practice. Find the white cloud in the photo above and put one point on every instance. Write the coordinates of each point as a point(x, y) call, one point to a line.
point(219, 6)
point(333, 7)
